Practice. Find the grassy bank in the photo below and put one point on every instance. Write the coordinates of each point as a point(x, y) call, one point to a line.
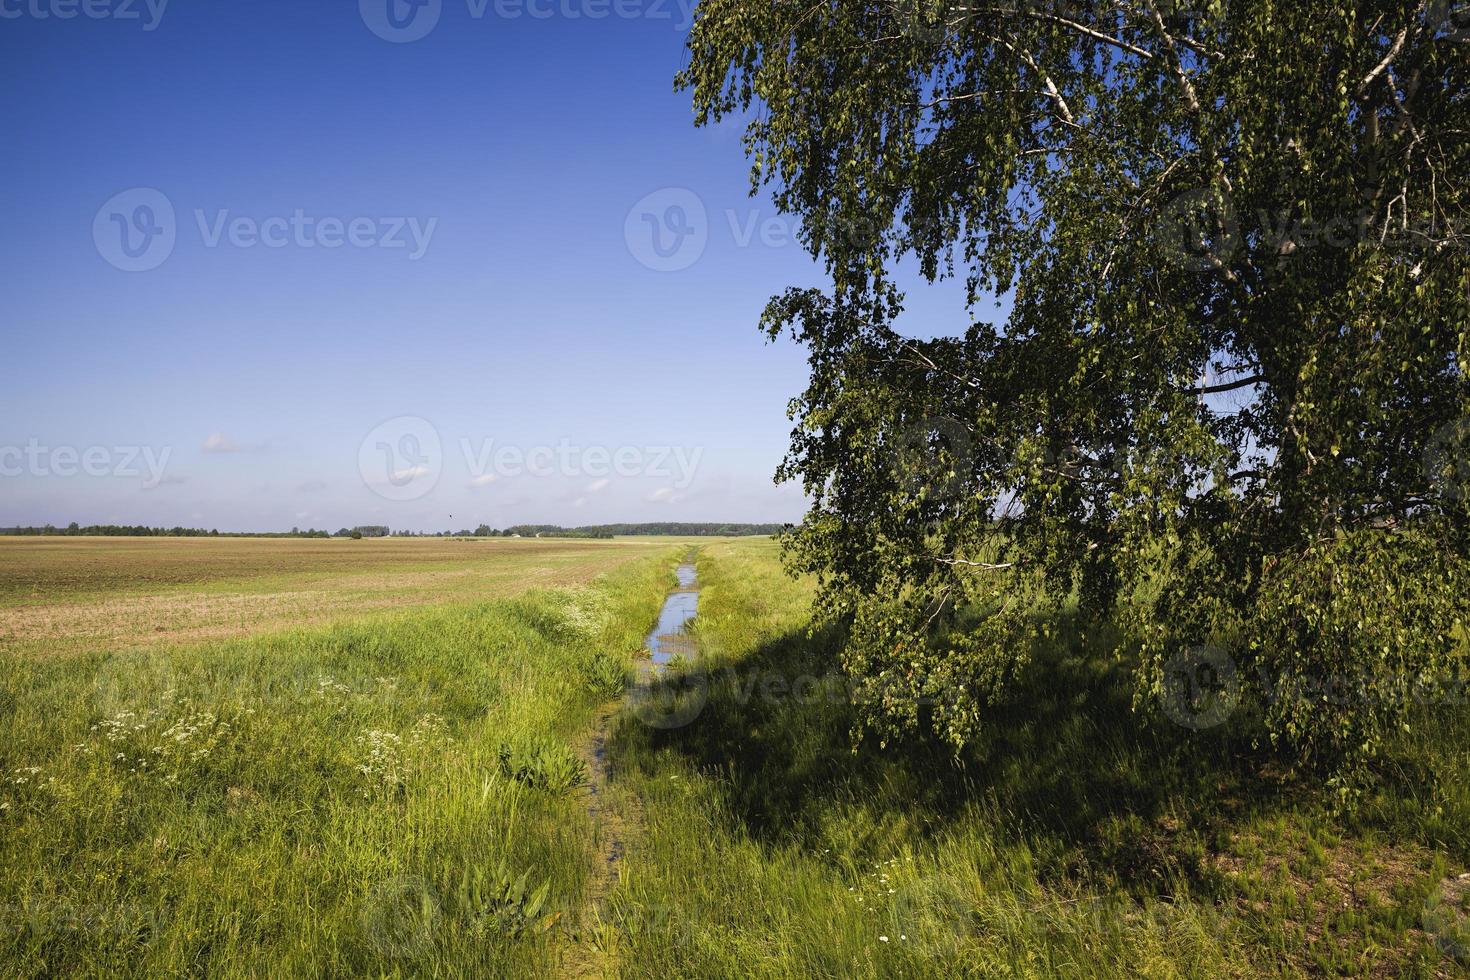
point(407, 795)
point(388, 798)
point(1083, 841)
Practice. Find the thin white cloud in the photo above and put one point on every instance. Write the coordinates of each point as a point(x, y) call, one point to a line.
point(218, 442)
point(597, 485)
point(484, 480)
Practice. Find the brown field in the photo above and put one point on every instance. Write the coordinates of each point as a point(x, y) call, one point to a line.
point(60, 594)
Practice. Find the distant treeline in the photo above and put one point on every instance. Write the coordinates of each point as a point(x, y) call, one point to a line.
point(380, 531)
point(143, 531)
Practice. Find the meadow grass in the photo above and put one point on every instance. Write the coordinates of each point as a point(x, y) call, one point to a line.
point(377, 798)
point(407, 795)
point(1083, 840)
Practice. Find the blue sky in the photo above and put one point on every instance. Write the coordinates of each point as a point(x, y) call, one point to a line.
point(401, 280)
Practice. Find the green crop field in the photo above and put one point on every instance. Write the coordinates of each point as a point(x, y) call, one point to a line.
point(472, 782)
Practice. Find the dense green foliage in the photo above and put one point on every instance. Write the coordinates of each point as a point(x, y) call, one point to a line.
point(1229, 402)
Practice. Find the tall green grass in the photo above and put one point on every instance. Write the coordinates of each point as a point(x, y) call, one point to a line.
point(389, 799)
point(1082, 840)
point(407, 798)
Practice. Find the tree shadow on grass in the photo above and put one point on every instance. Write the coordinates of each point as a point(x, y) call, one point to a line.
point(1068, 766)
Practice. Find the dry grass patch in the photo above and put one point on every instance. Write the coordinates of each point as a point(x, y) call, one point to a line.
point(66, 595)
